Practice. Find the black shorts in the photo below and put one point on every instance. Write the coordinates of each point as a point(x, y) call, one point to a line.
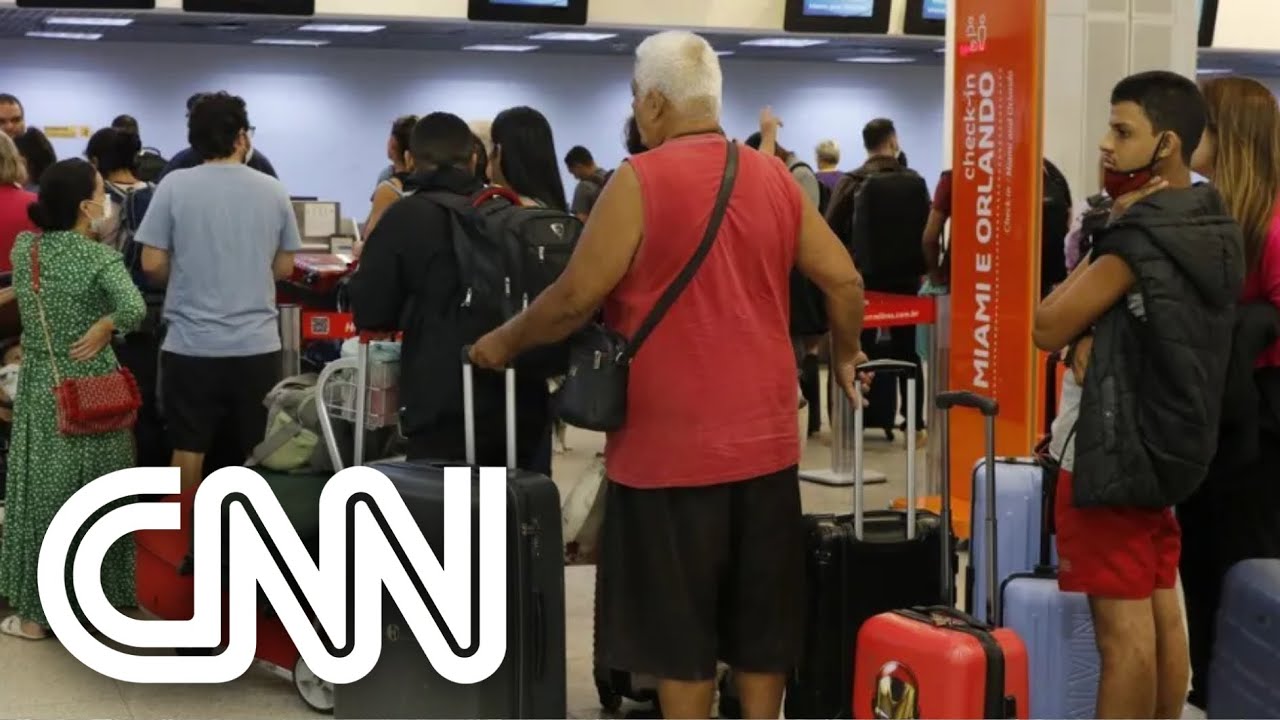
point(692, 576)
point(207, 397)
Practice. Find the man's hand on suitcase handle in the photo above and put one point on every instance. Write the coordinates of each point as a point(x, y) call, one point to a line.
point(491, 352)
point(848, 376)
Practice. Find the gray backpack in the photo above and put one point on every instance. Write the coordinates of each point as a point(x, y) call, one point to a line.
point(294, 441)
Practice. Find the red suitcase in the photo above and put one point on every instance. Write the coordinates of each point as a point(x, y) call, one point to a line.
point(938, 662)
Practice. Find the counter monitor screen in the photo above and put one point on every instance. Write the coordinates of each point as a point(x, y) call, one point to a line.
point(252, 7)
point(89, 4)
point(558, 12)
point(926, 17)
point(838, 16)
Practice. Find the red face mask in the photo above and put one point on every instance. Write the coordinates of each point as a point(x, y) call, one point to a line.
point(1119, 183)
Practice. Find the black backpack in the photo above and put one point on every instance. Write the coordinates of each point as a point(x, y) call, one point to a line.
point(1055, 224)
point(149, 165)
point(890, 213)
point(507, 255)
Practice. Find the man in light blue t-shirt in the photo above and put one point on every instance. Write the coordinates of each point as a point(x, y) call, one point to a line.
point(220, 234)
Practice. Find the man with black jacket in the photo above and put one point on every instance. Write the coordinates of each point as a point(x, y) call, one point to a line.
point(1151, 316)
point(409, 280)
point(880, 211)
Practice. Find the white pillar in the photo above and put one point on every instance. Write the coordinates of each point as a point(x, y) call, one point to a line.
point(1090, 46)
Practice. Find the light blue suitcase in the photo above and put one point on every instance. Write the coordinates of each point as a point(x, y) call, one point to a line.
point(1056, 627)
point(1062, 653)
point(1244, 674)
point(1018, 497)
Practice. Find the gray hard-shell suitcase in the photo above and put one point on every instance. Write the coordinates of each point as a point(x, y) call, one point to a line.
point(530, 683)
point(1245, 670)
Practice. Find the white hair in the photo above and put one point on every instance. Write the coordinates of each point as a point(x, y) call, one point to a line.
point(681, 66)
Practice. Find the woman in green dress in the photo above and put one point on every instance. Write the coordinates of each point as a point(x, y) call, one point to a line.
point(87, 296)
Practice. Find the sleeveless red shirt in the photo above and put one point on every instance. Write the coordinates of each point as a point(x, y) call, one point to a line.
point(713, 391)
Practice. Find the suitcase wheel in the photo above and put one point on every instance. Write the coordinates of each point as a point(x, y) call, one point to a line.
point(316, 693)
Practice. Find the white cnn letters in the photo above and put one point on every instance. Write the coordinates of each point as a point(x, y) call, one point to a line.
point(448, 581)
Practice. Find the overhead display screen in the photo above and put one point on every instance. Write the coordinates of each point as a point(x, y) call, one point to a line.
point(838, 16)
point(557, 12)
point(252, 7)
point(926, 17)
point(90, 4)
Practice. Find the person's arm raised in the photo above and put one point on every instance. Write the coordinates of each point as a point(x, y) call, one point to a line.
point(608, 243)
point(823, 259)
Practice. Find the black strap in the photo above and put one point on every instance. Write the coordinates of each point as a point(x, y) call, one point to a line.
point(682, 280)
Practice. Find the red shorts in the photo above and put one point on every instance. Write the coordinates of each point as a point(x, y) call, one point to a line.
point(1117, 553)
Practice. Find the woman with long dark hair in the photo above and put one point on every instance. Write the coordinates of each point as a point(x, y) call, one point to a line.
point(524, 158)
point(38, 153)
point(73, 294)
point(1235, 515)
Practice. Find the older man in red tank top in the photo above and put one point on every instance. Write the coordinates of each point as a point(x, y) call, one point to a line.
point(702, 549)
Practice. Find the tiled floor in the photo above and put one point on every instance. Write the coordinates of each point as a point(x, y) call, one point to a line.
point(41, 680)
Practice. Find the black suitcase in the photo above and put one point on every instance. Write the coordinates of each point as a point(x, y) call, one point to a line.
point(531, 683)
point(856, 571)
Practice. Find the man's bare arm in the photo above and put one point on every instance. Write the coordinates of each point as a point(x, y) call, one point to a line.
point(932, 241)
point(155, 264)
point(608, 243)
point(1080, 301)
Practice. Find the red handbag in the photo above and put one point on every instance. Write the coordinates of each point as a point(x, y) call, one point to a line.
point(87, 405)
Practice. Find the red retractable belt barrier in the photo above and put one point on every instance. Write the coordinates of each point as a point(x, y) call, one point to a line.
point(889, 310)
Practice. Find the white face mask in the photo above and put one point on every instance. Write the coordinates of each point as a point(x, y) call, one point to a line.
point(99, 224)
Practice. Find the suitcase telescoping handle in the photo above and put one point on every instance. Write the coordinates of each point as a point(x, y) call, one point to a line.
point(890, 368)
point(990, 409)
point(469, 408)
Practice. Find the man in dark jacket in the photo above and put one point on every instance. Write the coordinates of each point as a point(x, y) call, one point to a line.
point(409, 280)
point(189, 158)
point(1158, 297)
point(880, 212)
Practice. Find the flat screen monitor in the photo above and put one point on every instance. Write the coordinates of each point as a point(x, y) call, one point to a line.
point(89, 4)
point(926, 17)
point(1208, 21)
point(838, 16)
point(252, 7)
point(555, 12)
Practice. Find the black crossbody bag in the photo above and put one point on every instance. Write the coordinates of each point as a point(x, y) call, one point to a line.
point(594, 394)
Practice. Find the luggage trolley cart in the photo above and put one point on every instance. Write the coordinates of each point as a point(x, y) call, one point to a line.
point(340, 388)
point(165, 594)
